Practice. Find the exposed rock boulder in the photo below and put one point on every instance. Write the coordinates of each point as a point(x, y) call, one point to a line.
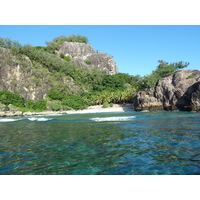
point(145, 100)
point(76, 49)
point(180, 90)
point(84, 56)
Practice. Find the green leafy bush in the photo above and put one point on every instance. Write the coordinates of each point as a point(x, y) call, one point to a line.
point(163, 69)
point(55, 44)
point(7, 98)
point(62, 56)
point(106, 104)
point(190, 76)
point(36, 106)
point(74, 101)
point(56, 94)
point(6, 108)
point(56, 106)
point(88, 62)
point(77, 38)
point(67, 58)
point(8, 43)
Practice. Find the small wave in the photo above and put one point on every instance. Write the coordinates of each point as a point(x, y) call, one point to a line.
point(103, 119)
point(39, 119)
point(8, 120)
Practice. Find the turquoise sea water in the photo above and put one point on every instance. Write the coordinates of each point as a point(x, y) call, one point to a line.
point(131, 143)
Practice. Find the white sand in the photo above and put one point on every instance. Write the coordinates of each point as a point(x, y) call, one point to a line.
point(100, 109)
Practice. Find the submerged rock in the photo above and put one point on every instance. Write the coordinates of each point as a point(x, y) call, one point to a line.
point(180, 90)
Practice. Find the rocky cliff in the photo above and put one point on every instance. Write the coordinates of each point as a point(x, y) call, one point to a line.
point(31, 81)
point(179, 91)
point(84, 56)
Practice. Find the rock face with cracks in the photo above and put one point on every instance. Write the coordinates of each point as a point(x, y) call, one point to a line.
point(84, 56)
point(179, 91)
point(20, 76)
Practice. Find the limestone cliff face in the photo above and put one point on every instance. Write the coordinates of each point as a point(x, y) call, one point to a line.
point(84, 56)
point(17, 76)
point(180, 90)
point(31, 82)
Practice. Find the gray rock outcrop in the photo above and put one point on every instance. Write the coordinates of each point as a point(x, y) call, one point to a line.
point(84, 56)
point(76, 49)
point(180, 90)
point(20, 76)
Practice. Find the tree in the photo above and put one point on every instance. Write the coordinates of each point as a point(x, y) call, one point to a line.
point(8, 43)
point(163, 69)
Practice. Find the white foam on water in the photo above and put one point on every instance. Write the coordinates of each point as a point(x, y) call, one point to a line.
point(42, 119)
point(8, 120)
point(118, 118)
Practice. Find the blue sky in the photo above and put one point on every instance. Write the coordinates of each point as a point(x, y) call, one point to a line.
point(135, 48)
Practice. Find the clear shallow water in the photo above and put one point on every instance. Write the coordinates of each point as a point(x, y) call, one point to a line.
point(104, 143)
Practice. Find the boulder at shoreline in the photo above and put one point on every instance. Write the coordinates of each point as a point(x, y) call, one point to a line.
point(178, 91)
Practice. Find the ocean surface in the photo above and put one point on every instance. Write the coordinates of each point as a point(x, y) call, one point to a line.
point(129, 143)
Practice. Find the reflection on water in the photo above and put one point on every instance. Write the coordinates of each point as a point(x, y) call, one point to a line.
point(112, 143)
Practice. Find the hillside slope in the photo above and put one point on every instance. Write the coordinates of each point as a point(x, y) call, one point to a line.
point(29, 74)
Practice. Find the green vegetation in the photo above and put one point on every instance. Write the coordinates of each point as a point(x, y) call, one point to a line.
point(55, 44)
point(191, 76)
point(6, 108)
point(88, 62)
point(11, 98)
point(67, 58)
point(36, 106)
point(95, 86)
point(74, 101)
point(106, 105)
point(163, 69)
point(56, 106)
point(18, 102)
point(9, 44)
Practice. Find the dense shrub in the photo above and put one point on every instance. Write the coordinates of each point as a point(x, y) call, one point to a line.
point(6, 108)
point(36, 106)
point(74, 101)
point(7, 98)
point(55, 44)
point(113, 82)
point(55, 106)
point(88, 62)
point(163, 69)
point(55, 94)
point(111, 104)
point(52, 62)
point(106, 104)
point(8, 43)
point(67, 58)
point(77, 38)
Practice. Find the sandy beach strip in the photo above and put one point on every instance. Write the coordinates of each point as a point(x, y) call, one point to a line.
point(90, 109)
point(101, 109)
